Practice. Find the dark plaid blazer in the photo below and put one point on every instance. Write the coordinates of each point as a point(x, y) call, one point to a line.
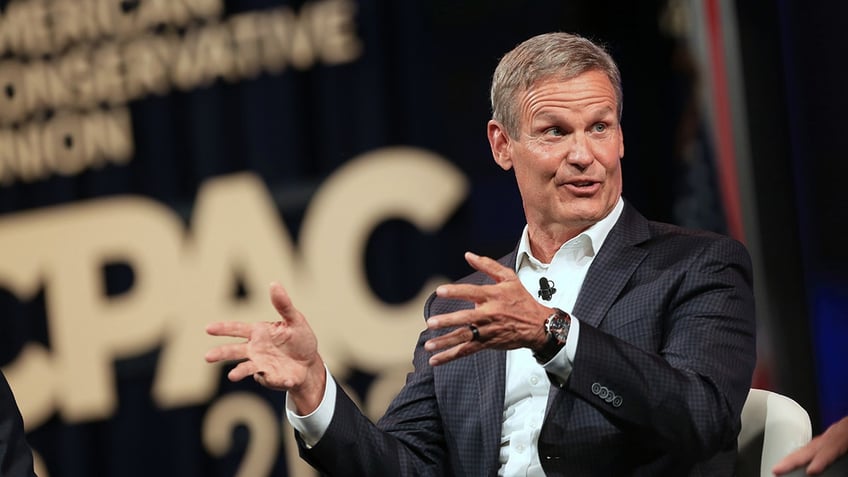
point(663, 366)
point(15, 453)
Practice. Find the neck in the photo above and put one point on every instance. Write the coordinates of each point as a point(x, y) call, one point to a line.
point(544, 243)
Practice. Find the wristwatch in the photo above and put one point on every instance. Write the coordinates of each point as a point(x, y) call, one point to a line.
point(556, 328)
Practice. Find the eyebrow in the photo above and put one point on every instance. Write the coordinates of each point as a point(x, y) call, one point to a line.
point(603, 112)
point(596, 115)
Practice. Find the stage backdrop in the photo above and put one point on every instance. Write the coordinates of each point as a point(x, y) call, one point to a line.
point(161, 162)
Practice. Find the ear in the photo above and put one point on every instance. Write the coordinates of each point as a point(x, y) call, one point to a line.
point(499, 141)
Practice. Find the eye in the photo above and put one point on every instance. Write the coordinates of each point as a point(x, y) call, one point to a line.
point(599, 127)
point(554, 131)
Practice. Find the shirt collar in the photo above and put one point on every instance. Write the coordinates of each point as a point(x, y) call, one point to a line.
point(593, 237)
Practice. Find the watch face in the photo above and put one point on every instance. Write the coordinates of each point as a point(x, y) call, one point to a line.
point(558, 326)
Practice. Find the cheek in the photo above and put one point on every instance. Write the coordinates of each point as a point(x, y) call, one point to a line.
point(537, 164)
point(610, 158)
point(615, 177)
point(529, 178)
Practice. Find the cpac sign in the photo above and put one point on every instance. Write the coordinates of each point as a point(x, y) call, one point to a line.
point(183, 278)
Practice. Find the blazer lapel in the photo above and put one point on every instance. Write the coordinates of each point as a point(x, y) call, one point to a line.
point(612, 268)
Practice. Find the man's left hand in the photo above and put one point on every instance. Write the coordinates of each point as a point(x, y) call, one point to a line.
point(505, 315)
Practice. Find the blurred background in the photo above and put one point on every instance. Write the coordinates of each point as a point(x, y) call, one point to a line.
point(162, 162)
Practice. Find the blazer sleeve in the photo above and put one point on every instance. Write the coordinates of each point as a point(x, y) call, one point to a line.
point(407, 441)
point(15, 453)
point(673, 359)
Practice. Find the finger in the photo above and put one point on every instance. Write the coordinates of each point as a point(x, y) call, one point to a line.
point(490, 267)
point(796, 459)
point(243, 370)
point(282, 303)
point(463, 291)
point(787, 464)
point(229, 328)
point(823, 458)
point(455, 318)
point(456, 352)
point(792, 461)
point(447, 340)
point(227, 352)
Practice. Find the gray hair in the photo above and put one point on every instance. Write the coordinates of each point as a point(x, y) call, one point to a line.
point(550, 55)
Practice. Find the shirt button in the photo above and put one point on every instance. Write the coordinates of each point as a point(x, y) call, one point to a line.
point(534, 380)
point(519, 448)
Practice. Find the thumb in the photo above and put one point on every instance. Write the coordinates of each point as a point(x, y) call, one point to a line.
point(282, 303)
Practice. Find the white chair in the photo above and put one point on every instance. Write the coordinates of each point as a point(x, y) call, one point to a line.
point(773, 425)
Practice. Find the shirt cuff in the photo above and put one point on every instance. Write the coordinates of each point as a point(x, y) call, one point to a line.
point(312, 426)
point(561, 364)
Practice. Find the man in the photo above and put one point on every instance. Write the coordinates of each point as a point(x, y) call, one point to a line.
point(604, 344)
point(15, 454)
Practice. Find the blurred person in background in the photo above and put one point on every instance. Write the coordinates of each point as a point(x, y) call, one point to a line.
point(824, 455)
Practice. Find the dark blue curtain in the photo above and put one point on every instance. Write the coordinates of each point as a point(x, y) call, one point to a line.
point(422, 80)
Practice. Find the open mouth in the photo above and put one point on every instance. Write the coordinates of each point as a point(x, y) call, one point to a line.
point(582, 188)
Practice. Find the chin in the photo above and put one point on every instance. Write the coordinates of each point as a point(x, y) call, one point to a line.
point(584, 215)
point(589, 211)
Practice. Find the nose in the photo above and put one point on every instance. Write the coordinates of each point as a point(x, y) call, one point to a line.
point(579, 154)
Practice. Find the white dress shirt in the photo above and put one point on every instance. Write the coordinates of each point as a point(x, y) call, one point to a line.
point(527, 384)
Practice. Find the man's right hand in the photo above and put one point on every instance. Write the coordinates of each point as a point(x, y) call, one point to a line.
point(281, 355)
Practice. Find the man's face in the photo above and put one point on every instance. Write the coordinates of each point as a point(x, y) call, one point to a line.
point(567, 156)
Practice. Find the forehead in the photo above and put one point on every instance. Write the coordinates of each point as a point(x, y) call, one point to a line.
point(589, 83)
point(591, 89)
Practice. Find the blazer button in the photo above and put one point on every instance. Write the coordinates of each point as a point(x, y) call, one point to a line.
point(617, 401)
point(596, 388)
point(603, 393)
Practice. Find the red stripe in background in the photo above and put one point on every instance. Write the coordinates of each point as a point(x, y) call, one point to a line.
point(728, 180)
